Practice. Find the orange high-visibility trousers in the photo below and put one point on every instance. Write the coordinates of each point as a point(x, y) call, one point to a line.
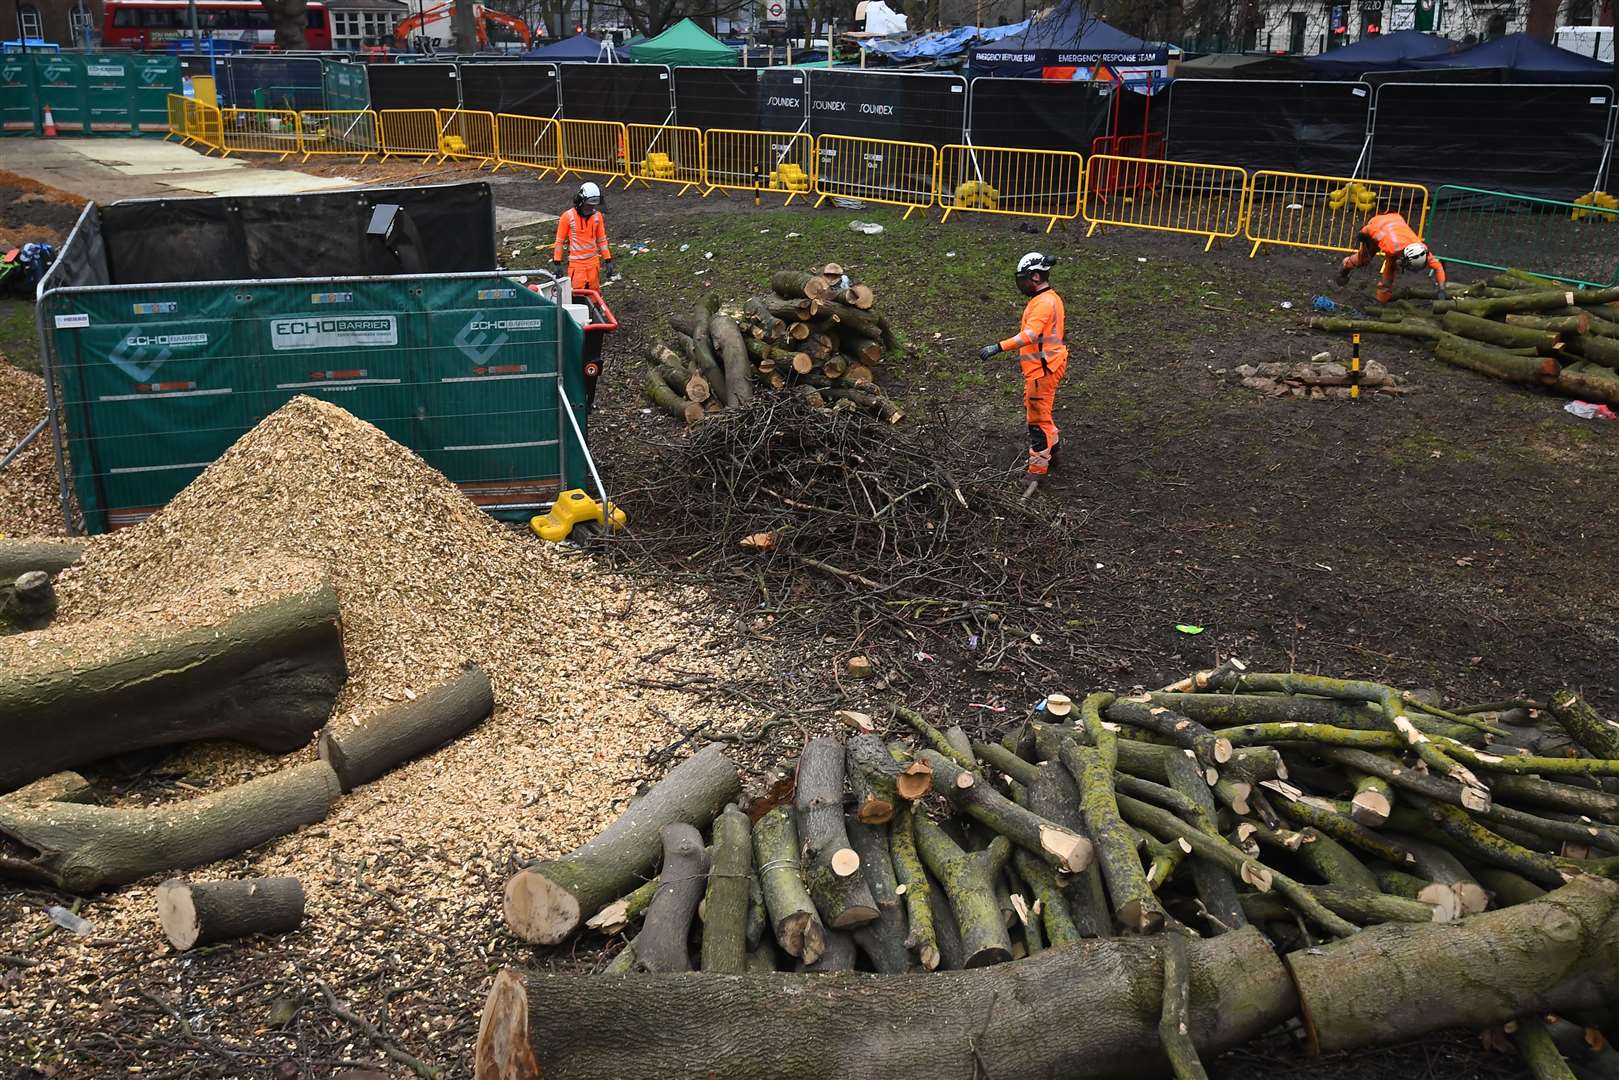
point(1365, 254)
point(585, 273)
point(1040, 382)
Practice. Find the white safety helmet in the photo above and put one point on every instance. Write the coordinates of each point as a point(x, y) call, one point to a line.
point(588, 192)
point(1415, 256)
point(1035, 262)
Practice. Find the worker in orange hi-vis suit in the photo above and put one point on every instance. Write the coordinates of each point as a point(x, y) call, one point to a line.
point(1040, 349)
point(1400, 248)
point(582, 241)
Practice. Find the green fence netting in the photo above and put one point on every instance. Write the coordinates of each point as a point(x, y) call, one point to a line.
point(155, 382)
point(345, 85)
point(1498, 230)
point(90, 94)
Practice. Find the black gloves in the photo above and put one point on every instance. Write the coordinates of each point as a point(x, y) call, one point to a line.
point(556, 268)
point(989, 352)
point(1443, 294)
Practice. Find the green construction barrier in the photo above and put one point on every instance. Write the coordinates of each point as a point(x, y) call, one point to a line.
point(93, 94)
point(156, 382)
point(345, 86)
point(1499, 230)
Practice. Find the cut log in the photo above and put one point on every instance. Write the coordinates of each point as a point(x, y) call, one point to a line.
point(856, 296)
point(876, 404)
point(81, 849)
point(1412, 328)
point(1065, 850)
point(1555, 954)
point(658, 392)
point(1591, 382)
point(1335, 864)
point(849, 319)
point(831, 867)
point(1215, 886)
point(835, 367)
point(1134, 905)
point(859, 374)
point(697, 389)
point(1497, 363)
point(883, 941)
point(1373, 801)
point(757, 308)
point(1174, 1022)
point(1596, 734)
point(29, 603)
point(1212, 750)
point(872, 775)
point(550, 900)
point(1571, 325)
point(793, 918)
point(839, 955)
point(798, 1027)
point(797, 285)
point(727, 338)
point(1546, 300)
point(703, 349)
point(195, 913)
point(17, 557)
point(968, 879)
point(662, 943)
point(1494, 333)
point(913, 884)
point(1438, 865)
point(726, 903)
point(57, 787)
point(362, 750)
point(266, 677)
point(1536, 791)
point(1539, 1051)
point(1507, 888)
point(626, 909)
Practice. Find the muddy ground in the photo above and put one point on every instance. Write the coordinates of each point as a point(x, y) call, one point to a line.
point(1458, 537)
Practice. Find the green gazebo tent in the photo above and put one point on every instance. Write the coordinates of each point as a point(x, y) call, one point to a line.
point(684, 43)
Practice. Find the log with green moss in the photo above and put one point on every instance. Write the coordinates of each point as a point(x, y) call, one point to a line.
point(1494, 333)
point(1135, 907)
point(1054, 795)
point(1570, 325)
point(1212, 749)
point(725, 904)
point(794, 921)
point(968, 879)
point(1597, 349)
point(1597, 734)
point(831, 865)
point(1540, 300)
point(1495, 362)
point(1410, 327)
point(883, 940)
point(1590, 382)
point(915, 888)
point(973, 796)
point(1215, 886)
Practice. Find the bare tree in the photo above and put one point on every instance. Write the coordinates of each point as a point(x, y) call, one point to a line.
point(289, 17)
point(463, 26)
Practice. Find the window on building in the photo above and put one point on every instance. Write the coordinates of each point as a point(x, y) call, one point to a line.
point(1497, 26)
point(1581, 13)
point(1371, 20)
point(1295, 31)
point(28, 18)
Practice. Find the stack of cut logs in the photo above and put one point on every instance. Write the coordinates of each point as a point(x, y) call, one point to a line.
point(815, 335)
point(1227, 804)
point(1515, 327)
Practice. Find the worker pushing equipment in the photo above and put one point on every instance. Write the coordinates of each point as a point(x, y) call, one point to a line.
point(582, 241)
point(1040, 349)
point(1398, 243)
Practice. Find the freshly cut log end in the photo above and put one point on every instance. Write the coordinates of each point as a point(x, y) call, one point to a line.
point(697, 389)
point(201, 913)
point(503, 1050)
point(802, 935)
point(1372, 809)
point(1447, 906)
point(845, 862)
point(538, 909)
point(915, 782)
point(1140, 918)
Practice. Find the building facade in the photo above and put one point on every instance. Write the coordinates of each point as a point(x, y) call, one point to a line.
point(358, 24)
point(68, 23)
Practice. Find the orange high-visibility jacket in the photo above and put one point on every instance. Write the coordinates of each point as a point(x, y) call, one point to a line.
point(1040, 339)
point(580, 237)
point(1393, 235)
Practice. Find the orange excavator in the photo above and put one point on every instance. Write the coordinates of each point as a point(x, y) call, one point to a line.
point(433, 23)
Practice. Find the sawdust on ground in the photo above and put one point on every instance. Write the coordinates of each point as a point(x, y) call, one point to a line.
point(424, 579)
point(28, 504)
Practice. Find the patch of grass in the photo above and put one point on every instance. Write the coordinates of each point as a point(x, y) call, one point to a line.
point(1426, 447)
point(19, 341)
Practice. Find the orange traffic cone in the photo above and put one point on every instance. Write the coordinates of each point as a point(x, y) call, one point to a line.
point(50, 124)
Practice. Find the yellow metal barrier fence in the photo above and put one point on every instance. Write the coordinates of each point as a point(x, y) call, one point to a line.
point(594, 147)
point(668, 155)
point(1165, 196)
point(530, 141)
point(759, 161)
point(876, 170)
point(339, 131)
point(1325, 212)
point(177, 118)
point(1006, 180)
point(409, 133)
point(262, 131)
point(204, 125)
point(467, 135)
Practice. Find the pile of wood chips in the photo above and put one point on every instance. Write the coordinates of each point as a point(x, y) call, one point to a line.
point(28, 504)
point(424, 580)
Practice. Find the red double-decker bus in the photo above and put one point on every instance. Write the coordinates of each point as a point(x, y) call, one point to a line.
point(152, 24)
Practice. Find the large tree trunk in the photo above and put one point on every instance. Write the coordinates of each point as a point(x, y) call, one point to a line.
point(20, 556)
point(1556, 954)
point(266, 677)
point(360, 752)
point(195, 913)
point(550, 900)
point(290, 19)
point(831, 865)
point(464, 26)
point(84, 848)
point(1091, 1010)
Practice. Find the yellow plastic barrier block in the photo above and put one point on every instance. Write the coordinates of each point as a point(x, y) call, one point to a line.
point(572, 508)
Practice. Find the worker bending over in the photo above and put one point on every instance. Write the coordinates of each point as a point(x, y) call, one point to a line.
point(1398, 243)
point(1040, 349)
point(582, 241)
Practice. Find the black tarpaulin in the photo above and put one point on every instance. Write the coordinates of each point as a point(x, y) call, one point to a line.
point(926, 109)
point(414, 86)
point(281, 236)
point(628, 93)
point(522, 88)
point(1307, 127)
point(1039, 115)
point(1528, 139)
point(716, 97)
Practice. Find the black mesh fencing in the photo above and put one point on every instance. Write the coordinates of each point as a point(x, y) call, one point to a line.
point(414, 86)
point(526, 89)
point(628, 93)
point(1306, 127)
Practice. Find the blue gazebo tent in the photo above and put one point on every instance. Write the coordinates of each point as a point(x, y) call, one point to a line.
point(1384, 52)
point(1071, 37)
point(1526, 59)
point(577, 47)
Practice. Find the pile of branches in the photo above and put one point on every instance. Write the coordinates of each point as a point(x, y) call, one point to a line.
point(1515, 327)
point(1307, 808)
point(913, 536)
point(816, 336)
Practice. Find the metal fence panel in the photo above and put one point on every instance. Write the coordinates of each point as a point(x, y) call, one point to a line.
point(876, 170)
point(261, 131)
point(781, 161)
point(333, 131)
point(1165, 196)
point(1499, 230)
point(594, 148)
point(530, 141)
point(665, 154)
point(1008, 180)
point(466, 135)
point(409, 132)
point(1325, 212)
